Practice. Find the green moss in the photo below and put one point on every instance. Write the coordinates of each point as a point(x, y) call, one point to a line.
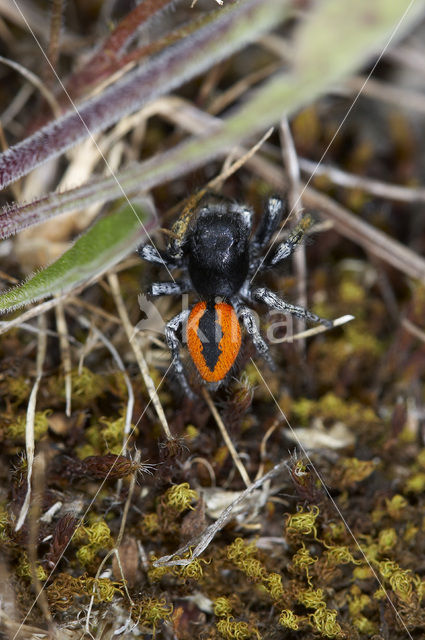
point(86, 385)
point(416, 483)
point(332, 407)
point(97, 537)
point(41, 425)
point(350, 292)
point(238, 630)
point(150, 612)
point(17, 388)
point(179, 497)
point(23, 569)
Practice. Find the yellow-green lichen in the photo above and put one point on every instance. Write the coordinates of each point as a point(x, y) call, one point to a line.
point(150, 612)
point(179, 497)
point(231, 629)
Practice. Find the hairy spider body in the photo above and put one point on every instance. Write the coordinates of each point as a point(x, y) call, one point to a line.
point(218, 252)
point(213, 337)
point(218, 259)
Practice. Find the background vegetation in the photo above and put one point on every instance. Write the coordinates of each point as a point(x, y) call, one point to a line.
point(289, 504)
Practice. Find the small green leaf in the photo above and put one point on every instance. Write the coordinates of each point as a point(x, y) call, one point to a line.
point(108, 241)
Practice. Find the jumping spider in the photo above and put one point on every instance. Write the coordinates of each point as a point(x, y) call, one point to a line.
point(218, 258)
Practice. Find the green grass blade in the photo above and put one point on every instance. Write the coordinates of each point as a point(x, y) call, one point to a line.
point(108, 241)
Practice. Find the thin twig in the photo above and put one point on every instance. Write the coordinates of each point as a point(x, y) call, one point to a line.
point(266, 436)
point(202, 541)
point(226, 437)
point(29, 427)
point(399, 97)
point(55, 29)
point(34, 519)
point(89, 345)
point(16, 105)
point(140, 358)
point(409, 56)
point(374, 187)
point(373, 240)
point(54, 334)
point(242, 86)
point(79, 302)
point(290, 160)
point(115, 550)
point(65, 353)
point(216, 182)
point(413, 329)
point(36, 82)
point(319, 329)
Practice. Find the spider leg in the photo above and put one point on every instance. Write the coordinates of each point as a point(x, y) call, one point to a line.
point(245, 214)
point(272, 216)
point(150, 253)
point(248, 320)
point(274, 302)
point(171, 330)
point(168, 288)
point(287, 247)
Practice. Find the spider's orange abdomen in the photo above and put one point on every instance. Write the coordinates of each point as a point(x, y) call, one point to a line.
point(213, 339)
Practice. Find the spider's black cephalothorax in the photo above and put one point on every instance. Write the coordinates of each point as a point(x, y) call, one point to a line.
point(218, 259)
point(218, 252)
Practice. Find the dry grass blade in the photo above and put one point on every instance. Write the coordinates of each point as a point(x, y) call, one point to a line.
point(198, 545)
point(116, 549)
point(266, 436)
point(216, 183)
point(290, 161)
point(39, 477)
point(36, 82)
point(393, 95)
point(144, 370)
point(413, 329)
point(374, 187)
point(29, 428)
point(226, 437)
point(314, 331)
point(65, 353)
point(31, 313)
point(55, 29)
point(371, 239)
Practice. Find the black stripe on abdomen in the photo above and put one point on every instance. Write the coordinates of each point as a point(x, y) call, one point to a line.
point(210, 334)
